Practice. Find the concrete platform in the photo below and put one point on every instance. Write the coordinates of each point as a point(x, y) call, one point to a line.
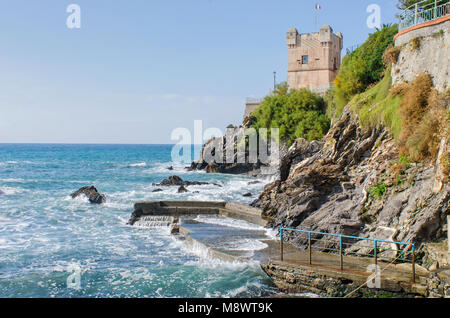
point(324, 276)
point(294, 274)
point(192, 208)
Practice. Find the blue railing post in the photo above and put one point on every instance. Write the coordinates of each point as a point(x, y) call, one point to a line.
point(435, 9)
point(310, 248)
point(416, 9)
point(341, 246)
point(413, 263)
point(375, 251)
point(281, 244)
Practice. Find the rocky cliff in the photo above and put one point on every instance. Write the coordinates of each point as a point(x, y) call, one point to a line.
point(211, 162)
point(354, 183)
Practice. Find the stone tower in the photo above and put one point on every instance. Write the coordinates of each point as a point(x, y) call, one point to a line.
point(314, 58)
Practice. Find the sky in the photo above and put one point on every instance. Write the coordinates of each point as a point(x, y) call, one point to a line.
point(137, 69)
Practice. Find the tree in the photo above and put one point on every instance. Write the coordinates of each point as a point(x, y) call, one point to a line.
point(360, 69)
point(404, 4)
point(297, 113)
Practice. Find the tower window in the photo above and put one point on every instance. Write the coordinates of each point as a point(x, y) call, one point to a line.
point(305, 59)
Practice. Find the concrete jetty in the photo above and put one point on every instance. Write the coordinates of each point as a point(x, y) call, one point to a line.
point(194, 208)
point(293, 274)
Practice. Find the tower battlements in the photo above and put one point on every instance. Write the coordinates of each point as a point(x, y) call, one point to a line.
point(314, 58)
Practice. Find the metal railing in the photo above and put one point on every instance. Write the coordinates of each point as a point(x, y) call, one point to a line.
point(423, 11)
point(345, 245)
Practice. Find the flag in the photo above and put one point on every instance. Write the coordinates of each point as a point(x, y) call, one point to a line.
point(318, 7)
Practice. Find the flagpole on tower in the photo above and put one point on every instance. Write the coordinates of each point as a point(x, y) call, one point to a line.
point(316, 20)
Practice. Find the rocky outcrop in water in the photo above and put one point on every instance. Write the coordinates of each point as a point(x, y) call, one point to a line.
point(91, 193)
point(350, 184)
point(182, 189)
point(177, 181)
point(253, 168)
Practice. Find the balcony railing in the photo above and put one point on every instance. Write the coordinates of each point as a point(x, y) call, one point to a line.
point(423, 11)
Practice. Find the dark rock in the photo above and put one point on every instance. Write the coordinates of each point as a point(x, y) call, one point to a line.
point(326, 186)
point(177, 181)
point(175, 229)
point(228, 145)
point(170, 168)
point(182, 189)
point(91, 193)
point(157, 190)
point(247, 195)
point(254, 182)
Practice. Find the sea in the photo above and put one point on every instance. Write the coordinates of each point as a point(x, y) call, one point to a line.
point(54, 246)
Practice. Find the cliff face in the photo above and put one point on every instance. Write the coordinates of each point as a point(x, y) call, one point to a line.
point(331, 187)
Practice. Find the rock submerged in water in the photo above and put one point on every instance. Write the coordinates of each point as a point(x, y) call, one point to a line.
point(157, 190)
point(177, 181)
point(91, 193)
point(247, 195)
point(182, 189)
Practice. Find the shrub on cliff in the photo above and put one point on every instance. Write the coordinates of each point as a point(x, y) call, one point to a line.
point(424, 118)
point(297, 113)
point(376, 106)
point(414, 113)
point(360, 69)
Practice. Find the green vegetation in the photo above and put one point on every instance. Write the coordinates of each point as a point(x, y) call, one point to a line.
point(399, 168)
point(377, 106)
point(404, 4)
point(405, 160)
point(360, 69)
point(378, 191)
point(297, 113)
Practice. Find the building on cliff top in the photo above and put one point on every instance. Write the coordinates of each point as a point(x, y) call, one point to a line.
point(313, 63)
point(314, 59)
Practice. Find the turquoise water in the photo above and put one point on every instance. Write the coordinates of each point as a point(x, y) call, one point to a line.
point(46, 236)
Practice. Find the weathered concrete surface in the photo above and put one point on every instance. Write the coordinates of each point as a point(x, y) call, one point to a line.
point(295, 275)
point(184, 234)
point(432, 55)
point(183, 208)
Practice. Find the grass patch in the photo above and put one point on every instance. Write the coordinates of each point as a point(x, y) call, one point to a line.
point(377, 106)
point(361, 69)
point(422, 112)
point(399, 169)
point(378, 191)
